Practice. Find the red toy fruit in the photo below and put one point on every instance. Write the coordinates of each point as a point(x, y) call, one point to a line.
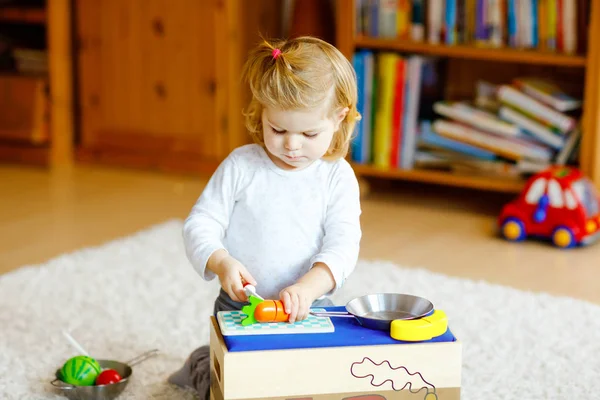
point(559, 204)
point(107, 377)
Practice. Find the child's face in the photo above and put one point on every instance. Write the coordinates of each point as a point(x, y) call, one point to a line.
point(296, 138)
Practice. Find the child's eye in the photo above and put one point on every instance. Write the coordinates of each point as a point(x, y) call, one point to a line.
point(311, 135)
point(278, 131)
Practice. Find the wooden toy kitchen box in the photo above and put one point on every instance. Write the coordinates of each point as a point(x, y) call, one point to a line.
point(405, 371)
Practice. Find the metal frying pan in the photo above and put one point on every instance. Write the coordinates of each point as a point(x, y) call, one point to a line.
point(377, 311)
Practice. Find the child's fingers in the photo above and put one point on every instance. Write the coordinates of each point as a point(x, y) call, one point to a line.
point(302, 309)
point(293, 307)
point(234, 292)
point(238, 281)
point(287, 302)
point(301, 315)
point(240, 292)
point(247, 277)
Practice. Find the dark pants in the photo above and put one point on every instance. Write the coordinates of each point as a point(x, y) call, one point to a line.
point(196, 371)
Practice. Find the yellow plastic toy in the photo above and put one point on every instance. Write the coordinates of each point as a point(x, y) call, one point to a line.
point(424, 328)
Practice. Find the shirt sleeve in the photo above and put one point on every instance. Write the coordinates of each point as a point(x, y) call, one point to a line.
point(205, 226)
point(341, 243)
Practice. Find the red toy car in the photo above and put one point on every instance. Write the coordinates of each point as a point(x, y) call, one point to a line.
point(560, 204)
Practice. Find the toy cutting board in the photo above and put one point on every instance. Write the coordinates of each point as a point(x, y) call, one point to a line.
point(230, 323)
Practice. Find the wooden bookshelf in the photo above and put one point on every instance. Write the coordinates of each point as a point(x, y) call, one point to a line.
point(23, 15)
point(474, 53)
point(445, 178)
point(49, 138)
point(498, 60)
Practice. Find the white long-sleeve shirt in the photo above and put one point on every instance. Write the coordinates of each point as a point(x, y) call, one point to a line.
point(277, 223)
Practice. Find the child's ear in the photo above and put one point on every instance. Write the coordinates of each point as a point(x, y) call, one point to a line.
point(340, 117)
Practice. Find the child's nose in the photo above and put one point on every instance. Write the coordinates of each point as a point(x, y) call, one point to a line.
point(292, 142)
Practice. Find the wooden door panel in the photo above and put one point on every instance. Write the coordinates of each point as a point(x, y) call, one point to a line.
point(148, 74)
point(159, 86)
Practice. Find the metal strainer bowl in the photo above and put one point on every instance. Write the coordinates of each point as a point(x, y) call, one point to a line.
point(102, 392)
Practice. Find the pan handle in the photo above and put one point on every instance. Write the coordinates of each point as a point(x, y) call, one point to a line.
point(142, 357)
point(344, 314)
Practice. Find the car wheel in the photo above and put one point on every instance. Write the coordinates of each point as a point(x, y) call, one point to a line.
point(563, 237)
point(513, 229)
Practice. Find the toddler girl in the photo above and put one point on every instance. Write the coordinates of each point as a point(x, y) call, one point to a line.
point(282, 214)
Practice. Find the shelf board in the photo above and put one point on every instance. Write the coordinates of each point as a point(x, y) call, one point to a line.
point(471, 52)
point(505, 185)
point(23, 15)
point(19, 74)
point(21, 153)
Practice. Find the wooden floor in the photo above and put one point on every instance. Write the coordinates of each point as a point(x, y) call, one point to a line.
point(45, 213)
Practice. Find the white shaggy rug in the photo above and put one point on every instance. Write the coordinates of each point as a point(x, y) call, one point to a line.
point(139, 293)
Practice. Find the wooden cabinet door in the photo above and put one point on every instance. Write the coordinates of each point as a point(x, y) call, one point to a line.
point(149, 90)
point(159, 80)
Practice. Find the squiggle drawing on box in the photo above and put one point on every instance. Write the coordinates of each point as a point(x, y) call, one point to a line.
point(399, 377)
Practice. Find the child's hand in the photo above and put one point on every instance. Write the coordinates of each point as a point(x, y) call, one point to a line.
point(232, 275)
point(297, 300)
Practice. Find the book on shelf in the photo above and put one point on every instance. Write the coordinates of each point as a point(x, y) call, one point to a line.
point(364, 63)
point(548, 93)
point(428, 139)
point(514, 97)
point(569, 152)
point(523, 125)
point(433, 159)
point(532, 127)
point(395, 92)
point(547, 25)
point(435, 20)
point(382, 135)
point(510, 148)
point(463, 112)
point(485, 96)
point(537, 142)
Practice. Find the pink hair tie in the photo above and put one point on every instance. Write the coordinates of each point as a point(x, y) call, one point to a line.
point(276, 53)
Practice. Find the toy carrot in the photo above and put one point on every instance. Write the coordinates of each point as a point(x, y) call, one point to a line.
point(261, 310)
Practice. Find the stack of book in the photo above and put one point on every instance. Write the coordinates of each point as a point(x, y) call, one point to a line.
point(395, 92)
point(548, 25)
point(512, 129)
point(516, 128)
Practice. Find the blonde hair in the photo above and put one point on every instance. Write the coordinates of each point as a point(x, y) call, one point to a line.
point(304, 73)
